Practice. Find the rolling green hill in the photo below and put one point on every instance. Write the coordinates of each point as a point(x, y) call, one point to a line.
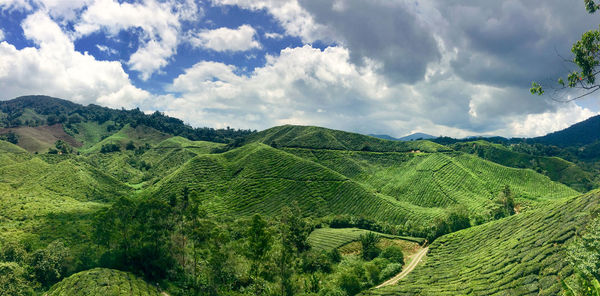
point(322, 138)
point(390, 187)
point(437, 180)
point(103, 282)
point(519, 255)
point(257, 178)
point(556, 168)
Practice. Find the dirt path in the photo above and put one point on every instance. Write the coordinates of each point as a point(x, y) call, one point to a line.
point(417, 258)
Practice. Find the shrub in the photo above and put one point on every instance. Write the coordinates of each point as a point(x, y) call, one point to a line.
point(391, 270)
point(393, 254)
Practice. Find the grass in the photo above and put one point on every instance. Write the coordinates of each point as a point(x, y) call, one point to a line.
point(520, 255)
point(332, 238)
point(103, 282)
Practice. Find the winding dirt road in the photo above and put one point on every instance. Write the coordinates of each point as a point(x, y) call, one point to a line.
point(418, 257)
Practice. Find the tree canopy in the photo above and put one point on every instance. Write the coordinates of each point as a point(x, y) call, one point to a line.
point(586, 58)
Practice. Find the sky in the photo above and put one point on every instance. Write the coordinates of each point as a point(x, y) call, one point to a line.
point(443, 67)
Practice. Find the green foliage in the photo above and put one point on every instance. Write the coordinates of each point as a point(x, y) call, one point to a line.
point(393, 254)
point(369, 249)
point(39, 110)
point(329, 239)
point(527, 156)
point(519, 255)
point(108, 148)
point(103, 282)
point(48, 265)
point(13, 280)
point(10, 137)
point(586, 59)
point(312, 137)
point(391, 270)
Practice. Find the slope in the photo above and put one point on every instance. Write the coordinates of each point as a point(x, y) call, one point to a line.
point(102, 282)
point(438, 180)
point(556, 168)
point(322, 138)
point(520, 255)
point(40, 138)
point(257, 178)
point(139, 135)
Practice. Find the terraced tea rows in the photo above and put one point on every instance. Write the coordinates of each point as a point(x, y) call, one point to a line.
point(331, 238)
point(437, 180)
point(259, 179)
point(103, 282)
point(322, 138)
point(519, 255)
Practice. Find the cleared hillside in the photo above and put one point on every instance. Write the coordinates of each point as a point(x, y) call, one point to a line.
point(322, 138)
point(519, 255)
point(103, 282)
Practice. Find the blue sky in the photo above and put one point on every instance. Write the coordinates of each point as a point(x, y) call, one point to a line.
point(396, 67)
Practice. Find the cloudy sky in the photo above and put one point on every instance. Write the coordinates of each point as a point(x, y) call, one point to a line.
point(444, 67)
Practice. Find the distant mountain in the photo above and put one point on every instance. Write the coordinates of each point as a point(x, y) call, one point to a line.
point(417, 136)
point(411, 137)
point(384, 137)
point(582, 133)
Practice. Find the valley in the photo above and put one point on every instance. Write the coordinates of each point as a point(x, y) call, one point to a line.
point(145, 203)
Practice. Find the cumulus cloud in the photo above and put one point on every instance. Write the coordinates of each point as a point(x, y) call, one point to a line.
point(293, 18)
point(159, 23)
point(226, 39)
point(388, 32)
point(55, 68)
point(302, 85)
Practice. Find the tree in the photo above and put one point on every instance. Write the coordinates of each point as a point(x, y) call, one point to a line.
point(586, 58)
point(369, 247)
point(49, 265)
point(259, 242)
point(13, 280)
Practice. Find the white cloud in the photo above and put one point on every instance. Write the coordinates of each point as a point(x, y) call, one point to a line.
point(225, 39)
point(158, 21)
point(15, 5)
point(106, 49)
point(293, 18)
point(56, 69)
point(1, 35)
point(273, 35)
point(301, 85)
point(543, 123)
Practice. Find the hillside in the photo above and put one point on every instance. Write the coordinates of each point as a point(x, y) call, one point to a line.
point(557, 169)
point(102, 282)
point(257, 178)
point(437, 180)
point(519, 255)
point(87, 125)
point(322, 138)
